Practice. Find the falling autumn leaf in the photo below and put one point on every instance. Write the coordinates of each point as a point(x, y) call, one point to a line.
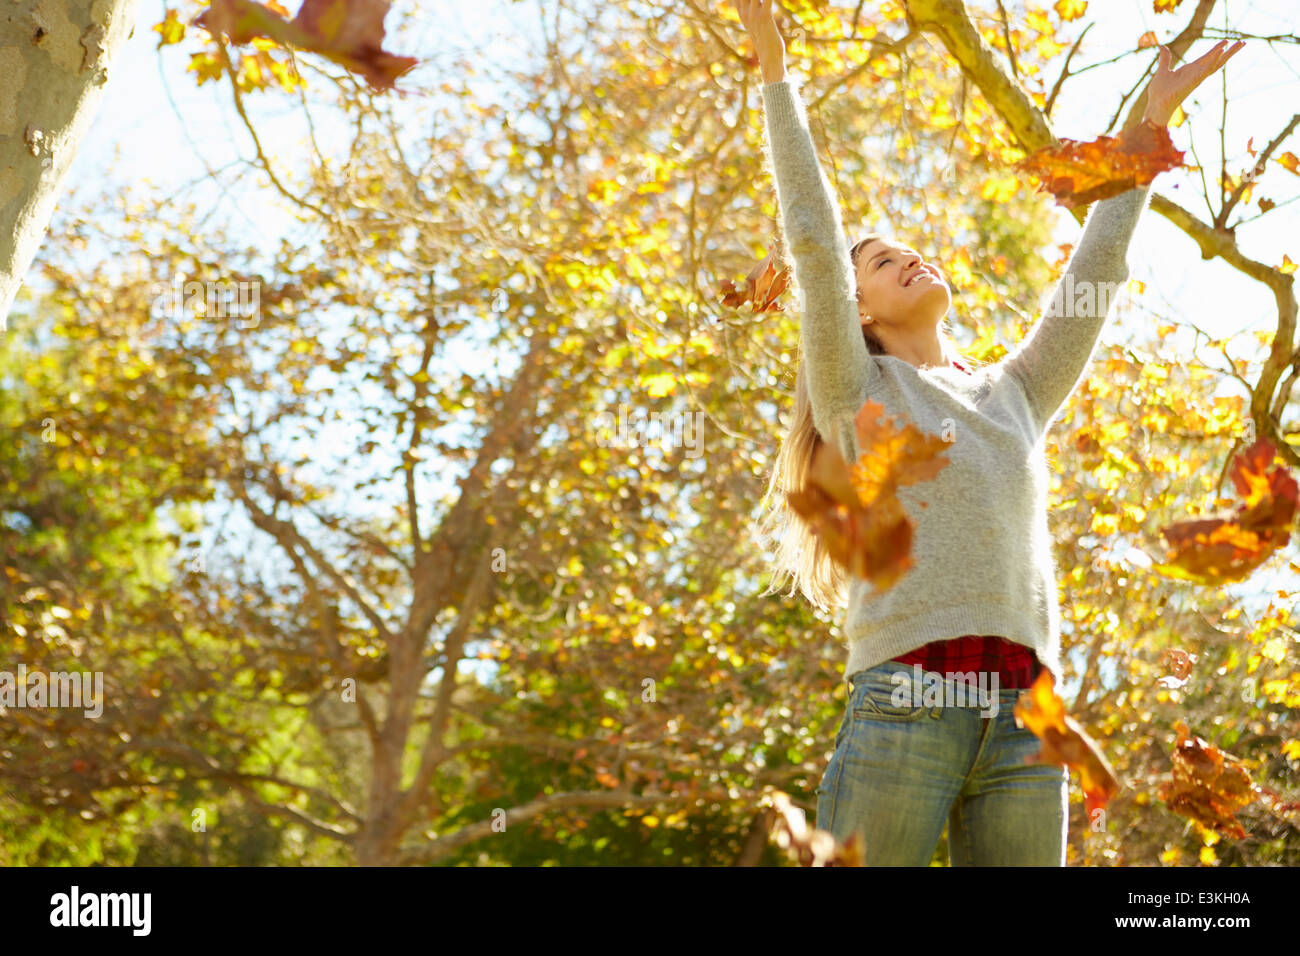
point(1225, 549)
point(763, 286)
point(1180, 665)
point(807, 845)
point(1071, 9)
point(1078, 173)
point(1064, 741)
point(1208, 785)
point(855, 510)
point(349, 32)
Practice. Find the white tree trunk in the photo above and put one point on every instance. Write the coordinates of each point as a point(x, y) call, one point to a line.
point(54, 62)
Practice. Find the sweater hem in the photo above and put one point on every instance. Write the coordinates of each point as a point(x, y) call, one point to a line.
point(948, 623)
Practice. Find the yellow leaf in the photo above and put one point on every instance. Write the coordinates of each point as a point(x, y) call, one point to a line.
point(1070, 9)
point(1000, 188)
point(659, 385)
point(172, 30)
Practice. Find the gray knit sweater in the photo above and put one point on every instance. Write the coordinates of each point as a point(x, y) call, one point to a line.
point(982, 548)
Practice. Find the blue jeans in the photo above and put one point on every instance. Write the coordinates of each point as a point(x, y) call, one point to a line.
point(898, 772)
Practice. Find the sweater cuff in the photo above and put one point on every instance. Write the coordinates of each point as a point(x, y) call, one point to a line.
point(781, 103)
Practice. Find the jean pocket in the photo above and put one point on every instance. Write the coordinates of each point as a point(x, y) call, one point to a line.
point(879, 698)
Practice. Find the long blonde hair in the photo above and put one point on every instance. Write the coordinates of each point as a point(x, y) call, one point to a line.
point(801, 556)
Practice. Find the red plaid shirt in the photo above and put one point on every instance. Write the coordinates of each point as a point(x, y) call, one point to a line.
point(1016, 664)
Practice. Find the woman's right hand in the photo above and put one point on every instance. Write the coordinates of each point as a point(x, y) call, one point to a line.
point(760, 24)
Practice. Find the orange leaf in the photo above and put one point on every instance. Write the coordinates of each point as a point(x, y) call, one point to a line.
point(1065, 742)
point(1078, 173)
point(1223, 549)
point(855, 510)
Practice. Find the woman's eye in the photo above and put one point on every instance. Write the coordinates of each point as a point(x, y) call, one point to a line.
point(882, 263)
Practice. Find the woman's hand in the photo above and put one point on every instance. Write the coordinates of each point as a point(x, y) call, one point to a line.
point(760, 24)
point(1168, 88)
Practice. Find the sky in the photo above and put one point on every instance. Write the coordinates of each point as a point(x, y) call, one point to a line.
point(157, 129)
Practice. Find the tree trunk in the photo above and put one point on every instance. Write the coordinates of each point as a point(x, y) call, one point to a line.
point(54, 60)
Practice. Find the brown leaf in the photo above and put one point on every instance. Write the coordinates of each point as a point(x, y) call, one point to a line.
point(1180, 665)
point(1208, 785)
point(807, 845)
point(349, 32)
point(763, 286)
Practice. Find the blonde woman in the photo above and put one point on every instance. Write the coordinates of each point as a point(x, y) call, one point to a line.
point(936, 663)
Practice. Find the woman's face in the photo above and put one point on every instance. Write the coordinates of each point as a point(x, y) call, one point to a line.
point(897, 287)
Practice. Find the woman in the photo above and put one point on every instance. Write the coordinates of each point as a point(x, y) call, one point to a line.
point(979, 607)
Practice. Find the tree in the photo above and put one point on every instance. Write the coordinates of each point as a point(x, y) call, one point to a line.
point(55, 63)
point(472, 604)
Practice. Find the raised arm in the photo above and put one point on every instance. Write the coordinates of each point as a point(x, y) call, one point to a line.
point(1052, 357)
point(837, 362)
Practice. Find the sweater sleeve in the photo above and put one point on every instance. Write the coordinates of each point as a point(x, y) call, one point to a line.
point(1051, 359)
point(836, 360)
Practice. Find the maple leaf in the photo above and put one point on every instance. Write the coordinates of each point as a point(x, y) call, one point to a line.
point(1071, 9)
point(763, 286)
point(348, 32)
point(855, 510)
point(1208, 785)
point(1078, 173)
point(1064, 741)
point(1224, 549)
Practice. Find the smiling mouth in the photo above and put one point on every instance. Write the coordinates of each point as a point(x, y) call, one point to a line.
point(923, 274)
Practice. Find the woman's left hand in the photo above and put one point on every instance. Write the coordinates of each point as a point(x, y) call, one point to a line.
point(1168, 88)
